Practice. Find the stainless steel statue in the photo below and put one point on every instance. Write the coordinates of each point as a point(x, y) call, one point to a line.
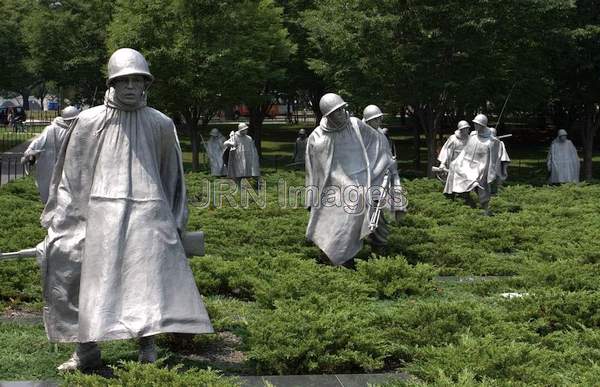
point(373, 116)
point(500, 163)
point(454, 145)
point(475, 168)
point(563, 161)
point(300, 148)
point(114, 266)
point(214, 148)
point(243, 157)
point(345, 160)
point(44, 149)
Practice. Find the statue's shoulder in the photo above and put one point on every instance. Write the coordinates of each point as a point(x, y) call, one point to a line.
point(92, 114)
point(160, 118)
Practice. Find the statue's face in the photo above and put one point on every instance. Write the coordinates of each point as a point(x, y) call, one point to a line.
point(375, 122)
point(562, 138)
point(338, 116)
point(129, 89)
point(479, 128)
point(464, 132)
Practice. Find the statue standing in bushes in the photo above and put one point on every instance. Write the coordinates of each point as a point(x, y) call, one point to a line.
point(215, 149)
point(346, 164)
point(243, 156)
point(563, 161)
point(501, 163)
point(44, 149)
point(454, 145)
point(114, 264)
point(300, 148)
point(475, 167)
point(373, 116)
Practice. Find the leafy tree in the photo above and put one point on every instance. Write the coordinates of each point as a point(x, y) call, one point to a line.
point(15, 76)
point(205, 56)
point(458, 56)
point(576, 72)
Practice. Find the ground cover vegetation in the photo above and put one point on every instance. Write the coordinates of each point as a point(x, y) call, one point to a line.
point(277, 311)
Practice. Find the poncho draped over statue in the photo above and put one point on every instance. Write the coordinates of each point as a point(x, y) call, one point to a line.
point(300, 150)
point(45, 148)
point(475, 166)
point(451, 149)
point(563, 162)
point(215, 149)
point(114, 266)
point(341, 165)
point(243, 157)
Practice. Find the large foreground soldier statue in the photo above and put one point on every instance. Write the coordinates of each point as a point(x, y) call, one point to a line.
point(114, 265)
point(44, 149)
point(345, 158)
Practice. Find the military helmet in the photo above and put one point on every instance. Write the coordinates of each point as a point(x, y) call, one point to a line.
point(329, 103)
point(562, 132)
point(463, 124)
point(69, 113)
point(127, 61)
point(302, 131)
point(481, 119)
point(371, 112)
point(242, 126)
point(214, 132)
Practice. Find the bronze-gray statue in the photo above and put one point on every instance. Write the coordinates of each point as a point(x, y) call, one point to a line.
point(345, 159)
point(114, 265)
point(300, 148)
point(44, 149)
point(214, 148)
point(454, 145)
point(563, 161)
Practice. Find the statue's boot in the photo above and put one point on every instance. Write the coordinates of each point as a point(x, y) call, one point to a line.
point(147, 352)
point(85, 357)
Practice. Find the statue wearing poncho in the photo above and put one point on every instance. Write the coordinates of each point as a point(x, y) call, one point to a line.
point(44, 149)
point(115, 267)
point(215, 149)
point(343, 160)
point(475, 168)
point(563, 161)
point(243, 157)
point(300, 148)
point(454, 145)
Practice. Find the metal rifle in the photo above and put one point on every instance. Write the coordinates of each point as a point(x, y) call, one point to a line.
point(440, 172)
point(374, 221)
point(192, 241)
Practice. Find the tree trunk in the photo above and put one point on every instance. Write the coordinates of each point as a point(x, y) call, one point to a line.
point(590, 128)
point(315, 98)
point(25, 93)
point(191, 125)
point(428, 120)
point(257, 116)
point(417, 145)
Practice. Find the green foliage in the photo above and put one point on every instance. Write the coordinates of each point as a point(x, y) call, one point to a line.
point(262, 284)
point(134, 374)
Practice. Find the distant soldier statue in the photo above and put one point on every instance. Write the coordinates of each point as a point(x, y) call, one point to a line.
point(44, 149)
point(500, 163)
point(300, 147)
point(475, 167)
point(373, 116)
point(454, 144)
point(563, 161)
point(243, 159)
point(215, 148)
point(114, 265)
point(346, 158)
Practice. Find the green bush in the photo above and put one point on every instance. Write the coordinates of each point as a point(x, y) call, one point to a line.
point(134, 374)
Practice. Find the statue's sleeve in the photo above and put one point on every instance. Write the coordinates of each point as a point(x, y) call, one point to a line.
point(445, 153)
point(309, 181)
point(37, 144)
point(172, 178)
point(549, 159)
